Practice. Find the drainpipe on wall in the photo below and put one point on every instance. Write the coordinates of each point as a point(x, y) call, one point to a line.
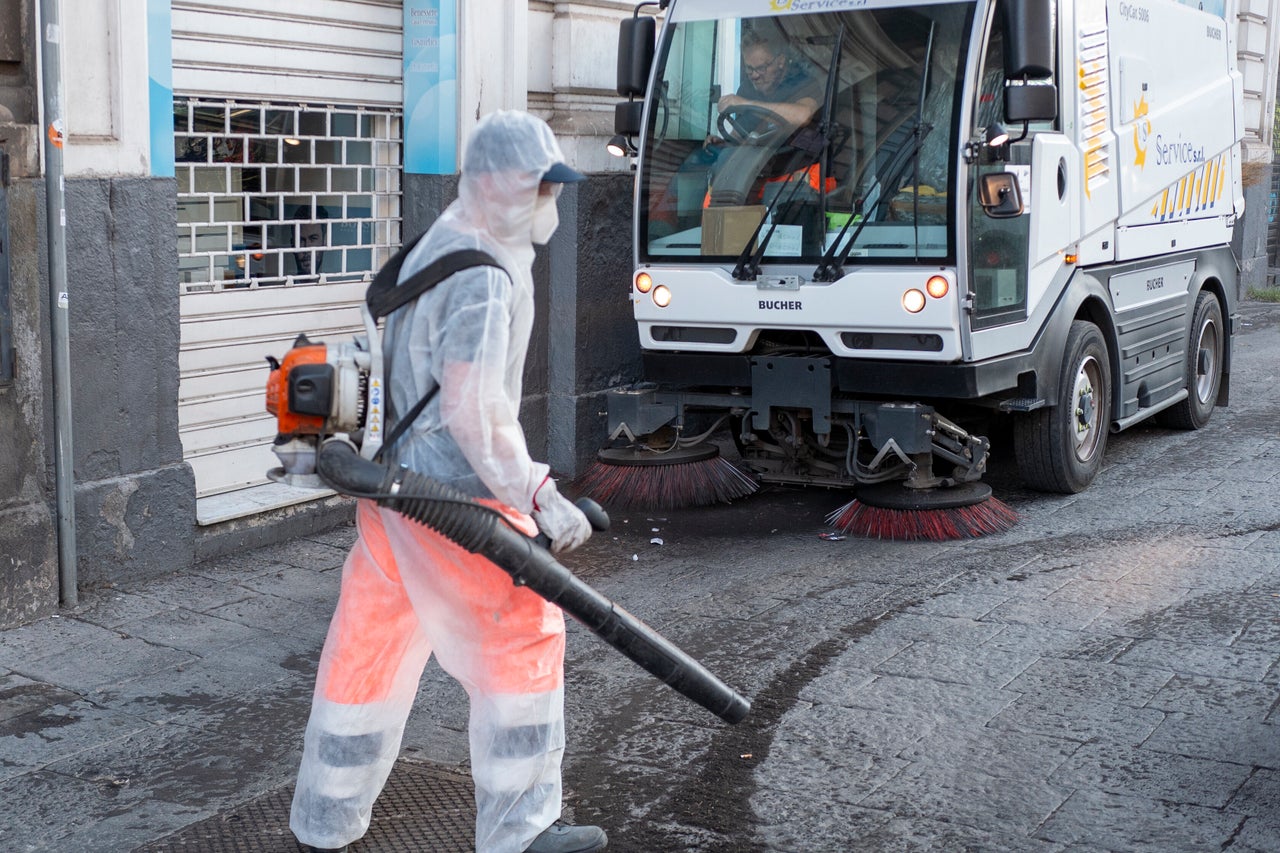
point(56, 217)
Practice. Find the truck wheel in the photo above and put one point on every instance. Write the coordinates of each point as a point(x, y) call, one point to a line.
point(1059, 449)
point(1204, 367)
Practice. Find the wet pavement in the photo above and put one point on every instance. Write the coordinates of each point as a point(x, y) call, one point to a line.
point(1102, 677)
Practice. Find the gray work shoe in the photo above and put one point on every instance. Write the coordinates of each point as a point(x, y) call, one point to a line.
point(563, 838)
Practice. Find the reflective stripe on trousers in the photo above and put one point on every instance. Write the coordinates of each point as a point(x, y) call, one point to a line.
point(408, 593)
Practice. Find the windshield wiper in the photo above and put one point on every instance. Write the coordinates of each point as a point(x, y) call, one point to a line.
point(748, 266)
point(831, 267)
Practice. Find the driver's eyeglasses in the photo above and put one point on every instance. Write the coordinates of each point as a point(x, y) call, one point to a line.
point(758, 70)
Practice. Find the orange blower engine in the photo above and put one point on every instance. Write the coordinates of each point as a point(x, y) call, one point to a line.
point(320, 391)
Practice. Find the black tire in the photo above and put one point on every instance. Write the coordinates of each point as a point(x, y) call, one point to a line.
point(1060, 448)
point(1204, 367)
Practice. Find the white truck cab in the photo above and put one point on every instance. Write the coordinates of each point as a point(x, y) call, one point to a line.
point(1013, 206)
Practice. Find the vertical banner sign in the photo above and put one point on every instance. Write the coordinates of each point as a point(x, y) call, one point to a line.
point(431, 87)
point(160, 83)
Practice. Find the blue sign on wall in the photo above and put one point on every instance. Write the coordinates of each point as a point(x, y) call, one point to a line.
point(160, 85)
point(431, 87)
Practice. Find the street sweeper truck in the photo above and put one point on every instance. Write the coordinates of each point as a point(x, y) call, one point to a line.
point(868, 230)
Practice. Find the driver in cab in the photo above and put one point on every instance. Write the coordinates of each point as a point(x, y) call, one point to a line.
point(773, 81)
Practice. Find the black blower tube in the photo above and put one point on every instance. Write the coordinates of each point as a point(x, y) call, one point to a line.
point(473, 527)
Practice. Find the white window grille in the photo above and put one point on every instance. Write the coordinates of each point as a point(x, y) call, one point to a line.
point(279, 194)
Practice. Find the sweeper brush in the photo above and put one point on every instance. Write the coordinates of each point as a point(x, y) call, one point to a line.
point(893, 511)
point(636, 478)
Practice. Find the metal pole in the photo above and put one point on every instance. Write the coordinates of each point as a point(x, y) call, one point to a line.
point(56, 217)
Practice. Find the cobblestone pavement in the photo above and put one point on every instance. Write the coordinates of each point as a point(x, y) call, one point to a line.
point(1102, 677)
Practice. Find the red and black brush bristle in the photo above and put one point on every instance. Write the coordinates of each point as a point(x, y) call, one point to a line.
point(634, 478)
point(893, 511)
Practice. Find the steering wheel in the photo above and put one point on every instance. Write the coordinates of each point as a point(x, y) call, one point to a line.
point(763, 128)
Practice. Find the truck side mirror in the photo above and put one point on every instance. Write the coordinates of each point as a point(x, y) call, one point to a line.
point(1028, 44)
point(999, 195)
point(635, 55)
point(1031, 102)
point(628, 117)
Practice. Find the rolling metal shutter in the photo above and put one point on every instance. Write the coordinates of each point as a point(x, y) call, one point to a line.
point(317, 51)
point(311, 93)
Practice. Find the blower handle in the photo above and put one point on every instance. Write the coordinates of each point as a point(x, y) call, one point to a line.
point(596, 517)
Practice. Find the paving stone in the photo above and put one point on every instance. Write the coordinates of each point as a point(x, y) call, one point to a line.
point(109, 659)
point(19, 646)
point(932, 702)
point(912, 627)
point(1257, 835)
point(959, 605)
point(1259, 796)
point(1005, 754)
point(792, 825)
point(195, 591)
point(875, 732)
point(209, 768)
point(303, 585)
point(1217, 697)
point(306, 622)
point(1045, 641)
point(1118, 594)
point(1210, 617)
point(44, 807)
point(808, 767)
point(1046, 612)
point(1199, 659)
point(968, 797)
point(979, 666)
point(1100, 820)
point(188, 630)
point(19, 695)
point(1246, 742)
point(64, 727)
point(1146, 774)
point(1123, 685)
point(1078, 718)
point(1196, 567)
point(1261, 633)
point(187, 695)
point(113, 608)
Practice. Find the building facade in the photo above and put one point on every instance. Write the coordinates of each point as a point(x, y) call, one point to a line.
point(235, 172)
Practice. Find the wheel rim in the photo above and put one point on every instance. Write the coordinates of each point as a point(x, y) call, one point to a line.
point(1208, 353)
point(1086, 421)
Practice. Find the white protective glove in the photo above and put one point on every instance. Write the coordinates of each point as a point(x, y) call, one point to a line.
point(555, 516)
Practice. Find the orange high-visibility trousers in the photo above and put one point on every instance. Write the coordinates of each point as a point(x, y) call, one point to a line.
point(408, 593)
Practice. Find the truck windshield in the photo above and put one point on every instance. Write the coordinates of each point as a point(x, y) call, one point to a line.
point(805, 122)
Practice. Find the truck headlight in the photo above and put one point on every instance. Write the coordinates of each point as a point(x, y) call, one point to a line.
point(913, 301)
point(662, 296)
point(644, 282)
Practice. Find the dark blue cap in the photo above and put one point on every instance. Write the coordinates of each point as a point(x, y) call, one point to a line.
point(562, 174)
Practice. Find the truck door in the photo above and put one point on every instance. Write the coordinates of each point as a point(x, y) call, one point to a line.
point(997, 247)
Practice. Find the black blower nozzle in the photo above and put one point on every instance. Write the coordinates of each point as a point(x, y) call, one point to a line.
point(456, 517)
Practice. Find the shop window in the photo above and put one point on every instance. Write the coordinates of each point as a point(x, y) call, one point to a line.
point(274, 194)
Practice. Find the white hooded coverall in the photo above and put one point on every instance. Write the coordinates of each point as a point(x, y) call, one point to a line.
point(408, 592)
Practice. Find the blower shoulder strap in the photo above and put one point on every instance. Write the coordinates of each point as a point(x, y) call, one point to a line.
point(385, 295)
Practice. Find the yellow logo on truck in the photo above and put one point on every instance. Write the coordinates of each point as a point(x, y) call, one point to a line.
point(780, 5)
point(1141, 132)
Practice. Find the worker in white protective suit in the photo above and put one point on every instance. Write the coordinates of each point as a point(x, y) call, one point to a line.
point(408, 592)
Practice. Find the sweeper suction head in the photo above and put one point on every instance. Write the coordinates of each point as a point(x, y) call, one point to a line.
point(638, 478)
point(893, 511)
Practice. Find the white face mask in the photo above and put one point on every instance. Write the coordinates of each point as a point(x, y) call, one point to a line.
point(546, 218)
